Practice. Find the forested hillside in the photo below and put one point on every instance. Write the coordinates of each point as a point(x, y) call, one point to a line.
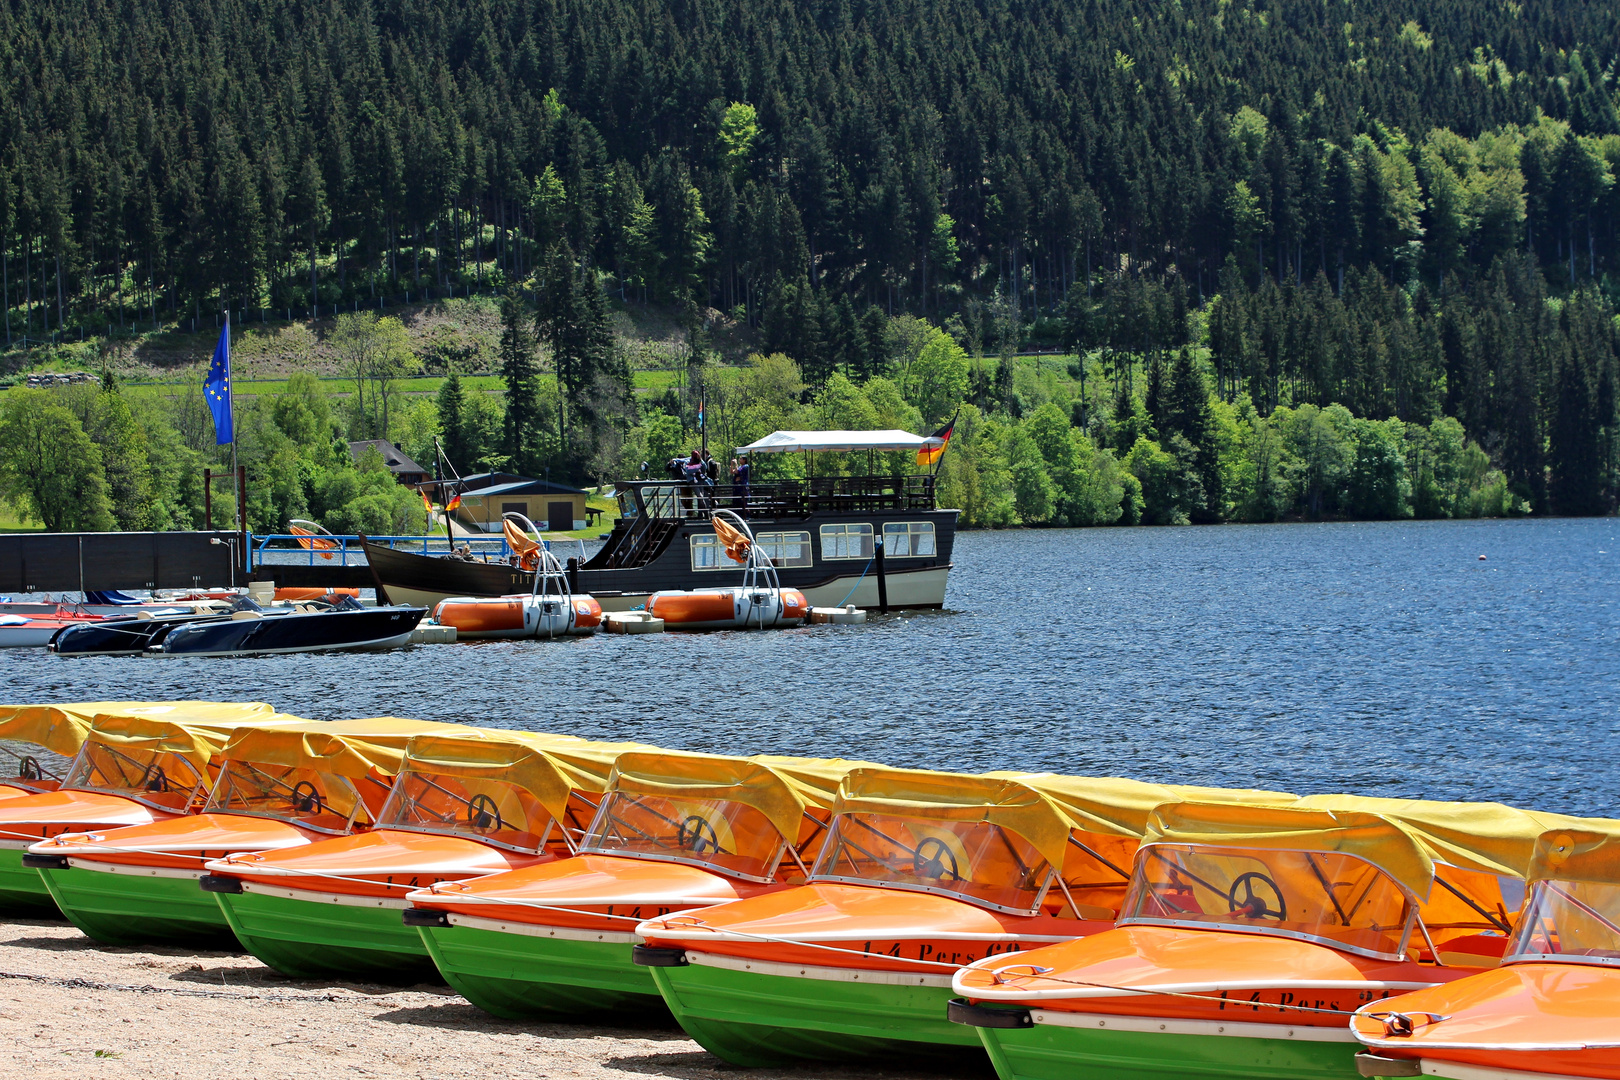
point(1406, 209)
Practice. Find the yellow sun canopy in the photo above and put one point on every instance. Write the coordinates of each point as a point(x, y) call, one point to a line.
point(62, 728)
point(195, 738)
point(778, 787)
point(1367, 836)
point(342, 747)
point(919, 794)
point(549, 766)
point(1587, 850)
point(1488, 837)
point(1117, 806)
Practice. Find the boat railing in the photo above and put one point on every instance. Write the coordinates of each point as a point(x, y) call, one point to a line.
point(684, 499)
point(340, 550)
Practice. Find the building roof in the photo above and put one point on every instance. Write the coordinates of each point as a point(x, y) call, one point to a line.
point(393, 456)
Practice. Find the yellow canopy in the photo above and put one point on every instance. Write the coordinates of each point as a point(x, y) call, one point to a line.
point(1111, 805)
point(814, 780)
point(1587, 851)
point(1371, 837)
point(1489, 837)
point(939, 796)
point(550, 766)
point(778, 787)
point(197, 739)
point(62, 728)
point(343, 747)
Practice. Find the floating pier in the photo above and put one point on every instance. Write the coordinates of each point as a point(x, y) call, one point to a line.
point(631, 622)
point(848, 615)
point(433, 634)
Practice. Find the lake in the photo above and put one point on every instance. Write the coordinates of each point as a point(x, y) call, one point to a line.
point(1378, 658)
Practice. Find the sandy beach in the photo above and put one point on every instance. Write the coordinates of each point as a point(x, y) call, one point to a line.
point(72, 1008)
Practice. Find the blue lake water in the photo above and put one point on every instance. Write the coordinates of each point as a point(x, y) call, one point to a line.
point(1379, 658)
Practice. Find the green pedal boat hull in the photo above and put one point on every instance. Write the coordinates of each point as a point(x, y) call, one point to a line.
point(132, 908)
point(22, 893)
point(522, 976)
point(1050, 1052)
point(317, 938)
point(755, 1020)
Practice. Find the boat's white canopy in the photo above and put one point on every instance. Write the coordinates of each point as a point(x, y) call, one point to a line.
point(790, 442)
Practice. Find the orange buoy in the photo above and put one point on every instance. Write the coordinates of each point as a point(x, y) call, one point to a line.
point(729, 608)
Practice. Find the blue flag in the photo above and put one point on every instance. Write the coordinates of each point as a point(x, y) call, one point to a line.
point(217, 388)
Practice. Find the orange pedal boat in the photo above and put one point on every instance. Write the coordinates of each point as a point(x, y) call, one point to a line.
point(466, 805)
point(1551, 1010)
point(279, 787)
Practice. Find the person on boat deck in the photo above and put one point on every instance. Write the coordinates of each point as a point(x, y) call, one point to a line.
point(711, 468)
point(739, 481)
point(463, 552)
point(694, 468)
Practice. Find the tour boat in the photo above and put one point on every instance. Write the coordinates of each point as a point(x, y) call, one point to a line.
point(1552, 1009)
point(921, 872)
point(836, 539)
point(133, 769)
point(467, 805)
point(1248, 936)
point(549, 609)
point(278, 787)
point(674, 832)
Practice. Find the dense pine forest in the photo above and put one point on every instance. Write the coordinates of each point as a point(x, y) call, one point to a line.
point(1389, 223)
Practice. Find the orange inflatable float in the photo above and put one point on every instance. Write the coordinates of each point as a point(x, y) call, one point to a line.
point(520, 616)
point(729, 609)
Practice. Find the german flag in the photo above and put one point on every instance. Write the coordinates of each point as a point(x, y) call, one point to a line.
point(427, 503)
point(454, 503)
point(930, 455)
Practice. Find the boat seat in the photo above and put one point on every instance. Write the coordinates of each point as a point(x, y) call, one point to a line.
point(240, 616)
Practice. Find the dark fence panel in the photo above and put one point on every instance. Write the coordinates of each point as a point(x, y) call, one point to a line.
point(58, 562)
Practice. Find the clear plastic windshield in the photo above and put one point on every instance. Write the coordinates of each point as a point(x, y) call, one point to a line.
point(717, 834)
point(164, 780)
point(487, 809)
point(969, 860)
point(308, 797)
point(1328, 897)
point(1576, 922)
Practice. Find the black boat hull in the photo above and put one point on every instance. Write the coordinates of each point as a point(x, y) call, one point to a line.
point(316, 631)
point(124, 637)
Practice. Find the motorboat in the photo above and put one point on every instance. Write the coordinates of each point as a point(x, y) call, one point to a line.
point(278, 787)
point(467, 805)
point(1552, 1009)
point(126, 635)
point(310, 627)
point(1248, 936)
point(550, 609)
point(19, 631)
point(760, 602)
point(675, 832)
point(133, 768)
point(921, 873)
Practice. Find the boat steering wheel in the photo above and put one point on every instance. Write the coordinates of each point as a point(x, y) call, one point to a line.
point(1253, 905)
point(696, 834)
point(940, 865)
point(306, 799)
point(482, 813)
point(28, 769)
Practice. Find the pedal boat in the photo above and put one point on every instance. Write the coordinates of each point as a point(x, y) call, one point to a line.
point(278, 788)
point(463, 806)
point(1248, 936)
point(39, 742)
point(921, 872)
point(1552, 1009)
point(551, 609)
point(675, 832)
point(759, 603)
point(132, 768)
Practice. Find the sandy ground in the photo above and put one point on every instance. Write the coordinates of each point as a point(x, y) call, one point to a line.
point(72, 1008)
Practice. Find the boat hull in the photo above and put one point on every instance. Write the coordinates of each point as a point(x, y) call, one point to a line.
point(756, 1014)
point(327, 631)
point(526, 972)
point(309, 935)
point(130, 905)
point(1104, 1047)
point(22, 893)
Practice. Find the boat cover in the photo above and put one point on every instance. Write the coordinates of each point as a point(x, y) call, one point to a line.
point(62, 728)
point(342, 747)
point(940, 796)
point(791, 442)
point(1115, 806)
point(1590, 852)
point(1488, 837)
point(1371, 837)
point(778, 787)
point(549, 766)
point(196, 738)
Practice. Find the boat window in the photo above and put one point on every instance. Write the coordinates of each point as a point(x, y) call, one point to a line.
point(309, 797)
point(785, 548)
point(846, 541)
point(708, 553)
point(908, 539)
point(1575, 922)
point(1329, 897)
point(31, 766)
point(1466, 903)
point(969, 860)
point(486, 809)
point(154, 777)
point(717, 834)
point(627, 503)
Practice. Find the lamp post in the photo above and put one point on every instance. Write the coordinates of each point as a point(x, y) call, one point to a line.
point(230, 542)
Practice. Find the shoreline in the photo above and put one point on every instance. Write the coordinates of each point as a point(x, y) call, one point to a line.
point(71, 1007)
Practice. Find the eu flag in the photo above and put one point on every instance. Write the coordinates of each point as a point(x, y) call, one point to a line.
point(217, 388)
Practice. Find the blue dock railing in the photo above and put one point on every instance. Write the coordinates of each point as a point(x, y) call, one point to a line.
point(347, 551)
